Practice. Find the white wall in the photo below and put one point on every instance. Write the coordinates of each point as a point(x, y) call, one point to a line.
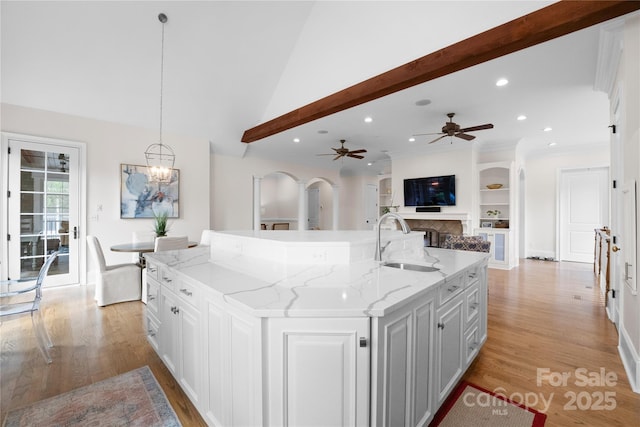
point(629, 77)
point(107, 146)
point(540, 194)
point(232, 187)
point(461, 163)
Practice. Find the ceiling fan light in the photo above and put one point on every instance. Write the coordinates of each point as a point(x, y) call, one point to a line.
point(521, 117)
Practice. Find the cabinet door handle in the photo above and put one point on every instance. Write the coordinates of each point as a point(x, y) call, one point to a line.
point(363, 342)
point(441, 325)
point(151, 333)
point(152, 269)
point(150, 297)
point(453, 288)
point(175, 310)
point(186, 292)
point(166, 279)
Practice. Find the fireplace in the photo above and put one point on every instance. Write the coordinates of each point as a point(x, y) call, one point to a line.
point(436, 230)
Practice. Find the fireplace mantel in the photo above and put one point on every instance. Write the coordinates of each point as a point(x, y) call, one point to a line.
point(463, 217)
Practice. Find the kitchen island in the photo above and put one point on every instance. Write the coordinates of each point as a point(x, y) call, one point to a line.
point(305, 328)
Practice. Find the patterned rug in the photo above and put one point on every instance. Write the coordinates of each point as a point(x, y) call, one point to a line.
point(470, 405)
point(131, 399)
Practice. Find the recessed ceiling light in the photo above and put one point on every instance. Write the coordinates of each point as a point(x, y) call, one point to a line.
point(552, 144)
point(423, 102)
point(296, 140)
point(369, 164)
point(323, 131)
point(502, 82)
point(522, 117)
point(547, 129)
point(368, 119)
point(412, 139)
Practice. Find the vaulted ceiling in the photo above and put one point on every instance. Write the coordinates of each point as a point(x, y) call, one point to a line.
point(230, 66)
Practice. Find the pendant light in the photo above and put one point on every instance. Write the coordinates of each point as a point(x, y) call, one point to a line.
point(160, 157)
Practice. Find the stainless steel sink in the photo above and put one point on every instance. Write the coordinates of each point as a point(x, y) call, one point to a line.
point(414, 267)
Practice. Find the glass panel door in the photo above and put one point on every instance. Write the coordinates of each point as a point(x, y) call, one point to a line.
point(43, 211)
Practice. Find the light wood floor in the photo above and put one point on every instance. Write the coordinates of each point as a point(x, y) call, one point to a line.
point(541, 315)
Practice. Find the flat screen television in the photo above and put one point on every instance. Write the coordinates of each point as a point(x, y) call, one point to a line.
point(431, 191)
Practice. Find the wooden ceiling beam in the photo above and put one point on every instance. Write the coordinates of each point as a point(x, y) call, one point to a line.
point(537, 27)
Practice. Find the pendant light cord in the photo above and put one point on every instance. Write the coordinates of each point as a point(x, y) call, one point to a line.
point(163, 18)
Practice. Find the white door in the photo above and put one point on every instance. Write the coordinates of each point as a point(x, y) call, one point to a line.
point(43, 210)
point(370, 206)
point(313, 208)
point(628, 248)
point(584, 206)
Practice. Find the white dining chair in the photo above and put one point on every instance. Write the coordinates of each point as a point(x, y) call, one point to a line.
point(171, 243)
point(20, 289)
point(114, 283)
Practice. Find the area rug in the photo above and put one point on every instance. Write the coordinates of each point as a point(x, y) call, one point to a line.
point(470, 405)
point(131, 399)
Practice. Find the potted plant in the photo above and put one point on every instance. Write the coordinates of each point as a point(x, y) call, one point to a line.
point(160, 225)
point(494, 212)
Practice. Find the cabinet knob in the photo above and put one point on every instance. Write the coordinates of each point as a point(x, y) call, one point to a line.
point(363, 342)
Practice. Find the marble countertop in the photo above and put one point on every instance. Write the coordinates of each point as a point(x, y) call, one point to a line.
point(271, 289)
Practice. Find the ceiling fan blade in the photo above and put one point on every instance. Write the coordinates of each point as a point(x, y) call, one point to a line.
point(330, 154)
point(338, 156)
point(465, 136)
point(474, 128)
point(357, 151)
point(423, 134)
point(438, 139)
point(355, 156)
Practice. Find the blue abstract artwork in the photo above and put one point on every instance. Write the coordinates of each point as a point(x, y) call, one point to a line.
point(140, 197)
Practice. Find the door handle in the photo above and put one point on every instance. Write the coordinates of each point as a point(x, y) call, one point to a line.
point(615, 248)
point(75, 233)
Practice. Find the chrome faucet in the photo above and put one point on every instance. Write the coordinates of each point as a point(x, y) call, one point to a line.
point(403, 224)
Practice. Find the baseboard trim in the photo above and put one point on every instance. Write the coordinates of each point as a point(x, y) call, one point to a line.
point(630, 359)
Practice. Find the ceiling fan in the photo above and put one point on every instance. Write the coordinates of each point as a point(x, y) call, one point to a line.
point(342, 152)
point(453, 129)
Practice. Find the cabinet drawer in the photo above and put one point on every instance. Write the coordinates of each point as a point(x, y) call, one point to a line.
point(472, 303)
point(473, 273)
point(152, 327)
point(152, 270)
point(472, 343)
point(188, 292)
point(153, 296)
point(167, 278)
point(451, 287)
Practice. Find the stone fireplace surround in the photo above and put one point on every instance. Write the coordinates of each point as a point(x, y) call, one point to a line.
point(437, 226)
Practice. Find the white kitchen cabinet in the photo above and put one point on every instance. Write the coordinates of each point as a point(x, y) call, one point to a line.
point(319, 371)
point(402, 365)
point(449, 346)
point(180, 337)
point(232, 367)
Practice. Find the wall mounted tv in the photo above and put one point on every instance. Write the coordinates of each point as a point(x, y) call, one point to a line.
point(431, 191)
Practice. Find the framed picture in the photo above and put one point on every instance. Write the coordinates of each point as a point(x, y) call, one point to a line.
point(487, 224)
point(140, 197)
